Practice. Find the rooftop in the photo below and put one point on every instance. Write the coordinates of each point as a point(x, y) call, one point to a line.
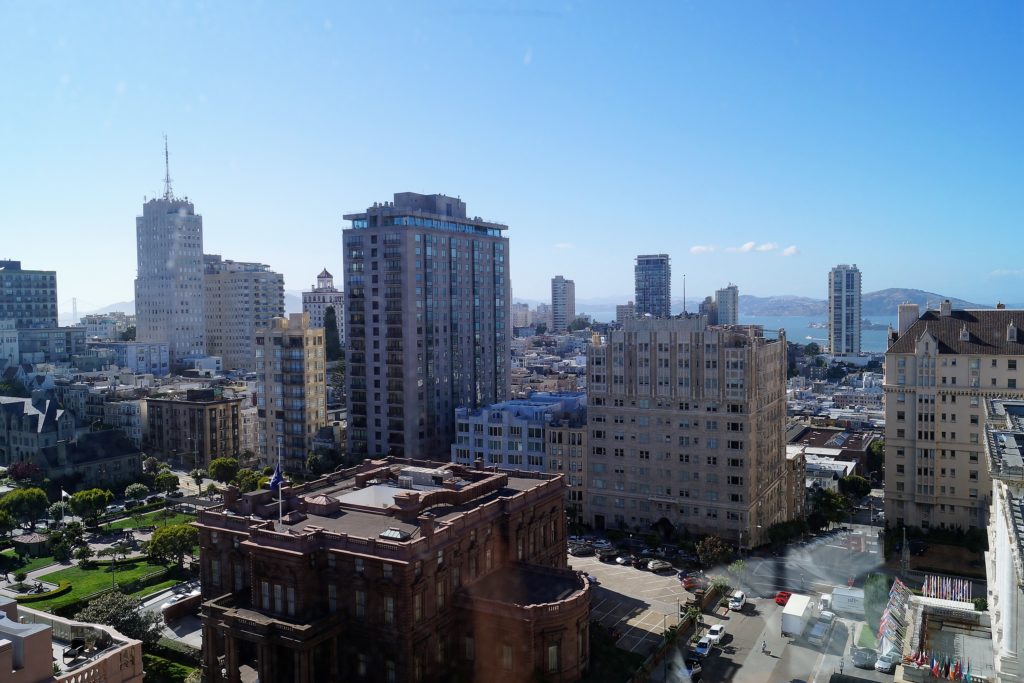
point(524, 585)
point(1004, 438)
point(821, 437)
point(986, 332)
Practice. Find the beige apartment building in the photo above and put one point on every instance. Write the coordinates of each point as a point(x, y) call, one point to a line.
point(239, 298)
point(291, 392)
point(687, 426)
point(566, 447)
point(939, 372)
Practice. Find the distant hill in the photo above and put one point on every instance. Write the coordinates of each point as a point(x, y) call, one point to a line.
point(882, 302)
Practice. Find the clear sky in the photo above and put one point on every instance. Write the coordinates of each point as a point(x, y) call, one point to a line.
point(759, 143)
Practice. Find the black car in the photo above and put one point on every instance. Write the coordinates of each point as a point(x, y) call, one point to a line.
point(607, 554)
point(581, 550)
point(863, 657)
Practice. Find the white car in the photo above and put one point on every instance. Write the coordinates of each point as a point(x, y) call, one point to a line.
point(716, 633)
point(887, 663)
point(601, 544)
point(737, 600)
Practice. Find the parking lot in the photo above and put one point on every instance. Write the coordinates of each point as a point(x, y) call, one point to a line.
point(637, 604)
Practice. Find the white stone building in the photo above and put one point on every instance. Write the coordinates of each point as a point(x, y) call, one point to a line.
point(320, 297)
point(240, 298)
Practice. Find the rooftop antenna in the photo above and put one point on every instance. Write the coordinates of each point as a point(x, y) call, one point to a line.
point(684, 295)
point(168, 192)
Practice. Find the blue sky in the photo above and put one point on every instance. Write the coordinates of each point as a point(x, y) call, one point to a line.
point(757, 143)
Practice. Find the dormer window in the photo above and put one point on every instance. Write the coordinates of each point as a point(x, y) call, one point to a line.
point(964, 334)
point(1011, 332)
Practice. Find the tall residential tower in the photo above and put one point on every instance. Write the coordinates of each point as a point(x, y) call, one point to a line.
point(563, 303)
point(844, 314)
point(239, 299)
point(727, 305)
point(169, 284)
point(28, 297)
point(653, 275)
point(427, 299)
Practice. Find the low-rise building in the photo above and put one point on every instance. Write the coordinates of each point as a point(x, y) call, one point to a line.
point(105, 459)
point(51, 344)
point(146, 357)
point(195, 428)
point(395, 570)
point(27, 426)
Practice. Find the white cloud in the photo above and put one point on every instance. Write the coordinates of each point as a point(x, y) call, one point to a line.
point(701, 249)
point(791, 250)
point(1007, 272)
point(743, 248)
point(767, 246)
point(565, 245)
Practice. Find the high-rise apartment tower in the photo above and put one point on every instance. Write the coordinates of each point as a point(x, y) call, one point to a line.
point(563, 303)
point(653, 276)
point(28, 297)
point(427, 299)
point(844, 314)
point(727, 305)
point(239, 299)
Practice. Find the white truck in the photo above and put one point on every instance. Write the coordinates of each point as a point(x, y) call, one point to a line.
point(795, 615)
point(848, 601)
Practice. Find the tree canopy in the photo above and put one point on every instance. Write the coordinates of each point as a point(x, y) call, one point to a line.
point(224, 469)
point(125, 614)
point(854, 485)
point(90, 503)
point(712, 550)
point(167, 482)
point(173, 543)
point(25, 505)
point(136, 491)
point(332, 340)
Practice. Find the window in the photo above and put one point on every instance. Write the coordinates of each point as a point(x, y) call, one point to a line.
point(332, 597)
point(469, 647)
point(417, 607)
point(389, 610)
point(360, 603)
point(506, 657)
point(553, 658)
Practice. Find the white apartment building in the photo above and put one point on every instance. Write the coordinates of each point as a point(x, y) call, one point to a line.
point(938, 375)
point(563, 303)
point(9, 353)
point(169, 285)
point(322, 296)
point(687, 429)
point(844, 310)
point(624, 312)
point(727, 305)
point(240, 298)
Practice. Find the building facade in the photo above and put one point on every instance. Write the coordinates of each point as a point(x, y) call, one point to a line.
point(169, 290)
point(51, 345)
point(27, 426)
point(320, 297)
point(687, 429)
point(427, 297)
point(624, 312)
point(844, 310)
point(194, 429)
point(291, 390)
point(727, 305)
point(394, 571)
point(938, 375)
point(709, 309)
point(28, 297)
point(512, 434)
point(9, 349)
point(653, 278)
point(239, 298)
point(563, 303)
point(142, 357)
point(1004, 560)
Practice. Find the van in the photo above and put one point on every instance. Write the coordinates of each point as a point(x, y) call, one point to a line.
point(737, 600)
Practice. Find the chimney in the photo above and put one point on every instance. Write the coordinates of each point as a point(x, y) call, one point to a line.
point(1000, 306)
point(426, 521)
point(945, 309)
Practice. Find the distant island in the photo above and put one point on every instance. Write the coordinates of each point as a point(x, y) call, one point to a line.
point(883, 302)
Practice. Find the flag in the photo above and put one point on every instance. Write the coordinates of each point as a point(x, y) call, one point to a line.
point(935, 666)
point(967, 676)
point(277, 479)
point(64, 495)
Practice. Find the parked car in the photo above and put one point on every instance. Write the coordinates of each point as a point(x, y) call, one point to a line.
point(716, 633)
point(176, 493)
point(625, 559)
point(863, 657)
point(607, 554)
point(581, 550)
point(887, 663)
point(602, 544)
point(112, 509)
point(640, 562)
point(692, 583)
point(155, 498)
point(576, 540)
point(132, 503)
point(737, 600)
point(782, 597)
point(659, 566)
point(703, 647)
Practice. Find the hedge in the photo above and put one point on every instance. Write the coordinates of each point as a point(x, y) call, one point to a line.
point(176, 651)
point(160, 670)
point(62, 588)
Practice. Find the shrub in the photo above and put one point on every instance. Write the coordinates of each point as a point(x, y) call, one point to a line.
point(62, 588)
point(20, 576)
point(981, 604)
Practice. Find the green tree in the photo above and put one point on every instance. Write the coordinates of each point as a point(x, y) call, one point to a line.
point(876, 456)
point(876, 596)
point(25, 505)
point(224, 469)
point(136, 491)
point(579, 323)
point(712, 550)
point(125, 614)
point(151, 465)
point(247, 480)
point(541, 328)
point(854, 485)
point(167, 482)
point(59, 510)
point(128, 334)
point(737, 567)
point(832, 505)
point(332, 341)
point(212, 490)
point(173, 543)
point(7, 523)
point(812, 349)
point(198, 475)
point(90, 503)
point(84, 555)
point(314, 464)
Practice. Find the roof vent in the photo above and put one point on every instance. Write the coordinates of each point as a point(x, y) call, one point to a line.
point(1011, 332)
point(1000, 306)
point(945, 308)
point(964, 334)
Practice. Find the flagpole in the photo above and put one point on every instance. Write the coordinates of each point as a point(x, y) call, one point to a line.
point(280, 486)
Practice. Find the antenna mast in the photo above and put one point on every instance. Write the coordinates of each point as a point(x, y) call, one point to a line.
point(168, 192)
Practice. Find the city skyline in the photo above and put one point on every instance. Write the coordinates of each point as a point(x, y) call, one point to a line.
point(897, 144)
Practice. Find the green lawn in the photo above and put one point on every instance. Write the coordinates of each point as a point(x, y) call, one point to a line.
point(10, 562)
point(87, 581)
point(156, 588)
point(867, 638)
point(149, 519)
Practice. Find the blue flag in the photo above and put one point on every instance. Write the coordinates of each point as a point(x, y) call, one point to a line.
point(277, 479)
